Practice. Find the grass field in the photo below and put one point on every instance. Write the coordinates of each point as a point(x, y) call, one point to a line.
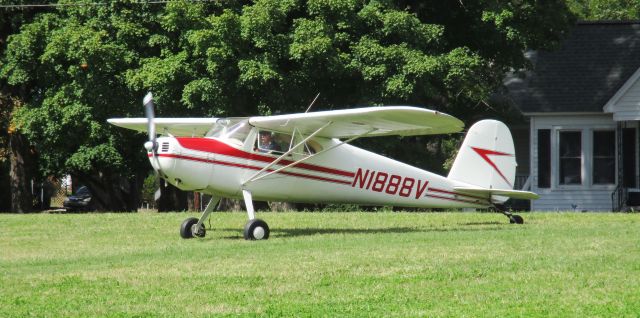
point(322, 264)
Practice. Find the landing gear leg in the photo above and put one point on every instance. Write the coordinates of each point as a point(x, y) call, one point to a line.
point(193, 227)
point(513, 218)
point(255, 229)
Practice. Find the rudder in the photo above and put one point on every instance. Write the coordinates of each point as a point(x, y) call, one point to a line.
point(487, 157)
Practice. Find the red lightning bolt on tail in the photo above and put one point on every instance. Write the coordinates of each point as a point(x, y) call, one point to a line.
point(485, 153)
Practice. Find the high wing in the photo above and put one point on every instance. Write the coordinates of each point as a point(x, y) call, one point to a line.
point(173, 126)
point(515, 194)
point(368, 122)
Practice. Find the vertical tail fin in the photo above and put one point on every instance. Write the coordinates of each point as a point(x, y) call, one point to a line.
point(487, 157)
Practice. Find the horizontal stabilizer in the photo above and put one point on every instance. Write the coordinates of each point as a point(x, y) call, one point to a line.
point(175, 126)
point(514, 194)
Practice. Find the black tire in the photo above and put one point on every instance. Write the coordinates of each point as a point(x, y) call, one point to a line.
point(256, 229)
point(187, 233)
point(516, 219)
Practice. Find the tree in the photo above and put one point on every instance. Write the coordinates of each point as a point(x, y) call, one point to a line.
point(16, 154)
point(82, 64)
point(71, 65)
point(605, 9)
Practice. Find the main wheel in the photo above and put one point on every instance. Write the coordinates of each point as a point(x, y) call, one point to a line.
point(188, 229)
point(516, 219)
point(256, 229)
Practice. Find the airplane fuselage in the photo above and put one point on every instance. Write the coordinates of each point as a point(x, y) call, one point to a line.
point(344, 174)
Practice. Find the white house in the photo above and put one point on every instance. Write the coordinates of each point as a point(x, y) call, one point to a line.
point(582, 104)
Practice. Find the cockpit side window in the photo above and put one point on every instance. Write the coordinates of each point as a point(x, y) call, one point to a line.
point(272, 142)
point(278, 143)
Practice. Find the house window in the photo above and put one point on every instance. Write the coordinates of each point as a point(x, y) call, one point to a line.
point(604, 162)
point(629, 156)
point(570, 151)
point(544, 158)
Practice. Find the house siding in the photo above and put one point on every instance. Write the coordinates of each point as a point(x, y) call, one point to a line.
point(572, 200)
point(626, 104)
point(584, 197)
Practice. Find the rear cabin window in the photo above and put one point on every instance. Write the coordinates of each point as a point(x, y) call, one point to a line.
point(312, 147)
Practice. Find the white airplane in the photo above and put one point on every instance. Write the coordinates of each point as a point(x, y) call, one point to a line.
point(307, 157)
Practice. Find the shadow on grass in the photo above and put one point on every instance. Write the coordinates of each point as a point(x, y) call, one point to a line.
point(299, 232)
point(484, 223)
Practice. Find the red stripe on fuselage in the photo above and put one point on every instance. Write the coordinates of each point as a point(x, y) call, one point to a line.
point(221, 148)
point(243, 166)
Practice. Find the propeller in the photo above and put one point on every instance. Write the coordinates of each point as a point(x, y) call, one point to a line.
point(150, 145)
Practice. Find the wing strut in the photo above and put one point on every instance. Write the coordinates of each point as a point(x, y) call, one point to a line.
point(257, 177)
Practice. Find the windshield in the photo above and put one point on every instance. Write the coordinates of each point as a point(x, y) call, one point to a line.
point(236, 134)
point(83, 191)
point(217, 131)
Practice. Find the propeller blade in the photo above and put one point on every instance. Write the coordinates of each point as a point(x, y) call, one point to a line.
point(157, 194)
point(151, 126)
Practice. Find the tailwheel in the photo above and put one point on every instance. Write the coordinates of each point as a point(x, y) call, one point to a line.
point(256, 229)
point(514, 218)
point(189, 229)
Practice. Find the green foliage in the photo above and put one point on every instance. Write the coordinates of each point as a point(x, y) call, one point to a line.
point(450, 146)
point(73, 69)
point(321, 264)
point(605, 9)
point(149, 187)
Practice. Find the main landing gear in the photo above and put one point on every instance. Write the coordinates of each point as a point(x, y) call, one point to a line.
point(255, 229)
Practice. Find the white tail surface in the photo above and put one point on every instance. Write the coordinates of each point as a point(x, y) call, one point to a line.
point(487, 157)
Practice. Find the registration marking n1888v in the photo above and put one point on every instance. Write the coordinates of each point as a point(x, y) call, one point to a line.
point(392, 184)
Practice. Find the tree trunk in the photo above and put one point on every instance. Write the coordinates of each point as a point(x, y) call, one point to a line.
point(193, 201)
point(112, 192)
point(20, 173)
point(230, 205)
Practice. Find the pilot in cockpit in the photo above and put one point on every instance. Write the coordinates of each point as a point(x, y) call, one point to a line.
point(266, 143)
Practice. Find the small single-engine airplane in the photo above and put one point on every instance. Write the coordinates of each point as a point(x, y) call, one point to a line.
point(307, 158)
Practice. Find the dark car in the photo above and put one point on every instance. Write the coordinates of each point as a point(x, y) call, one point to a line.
point(80, 201)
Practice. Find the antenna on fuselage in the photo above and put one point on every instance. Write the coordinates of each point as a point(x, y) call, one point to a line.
point(312, 102)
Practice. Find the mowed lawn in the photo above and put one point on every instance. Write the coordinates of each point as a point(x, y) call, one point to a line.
point(322, 264)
